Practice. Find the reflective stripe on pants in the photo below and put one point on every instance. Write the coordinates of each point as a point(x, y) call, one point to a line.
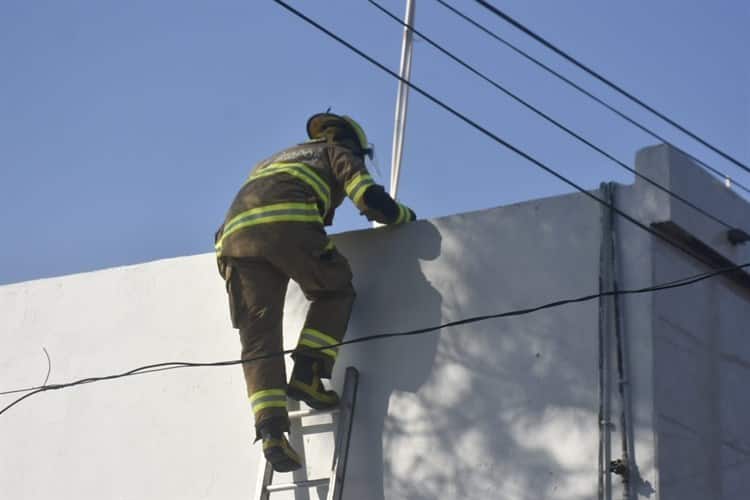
point(303, 253)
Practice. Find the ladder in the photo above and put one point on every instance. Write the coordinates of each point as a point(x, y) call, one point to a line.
point(335, 482)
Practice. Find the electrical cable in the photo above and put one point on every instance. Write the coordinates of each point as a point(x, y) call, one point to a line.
point(607, 82)
point(482, 129)
point(547, 117)
point(172, 365)
point(673, 284)
point(600, 101)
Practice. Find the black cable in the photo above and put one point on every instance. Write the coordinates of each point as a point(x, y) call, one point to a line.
point(607, 82)
point(46, 378)
point(547, 117)
point(571, 83)
point(674, 284)
point(173, 365)
point(482, 129)
point(49, 366)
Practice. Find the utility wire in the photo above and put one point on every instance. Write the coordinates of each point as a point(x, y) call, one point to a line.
point(49, 366)
point(46, 378)
point(178, 364)
point(482, 129)
point(606, 81)
point(559, 125)
point(475, 319)
point(571, 83)
point(682, 282)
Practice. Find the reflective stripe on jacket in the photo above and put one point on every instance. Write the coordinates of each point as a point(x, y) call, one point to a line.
point(302, 184)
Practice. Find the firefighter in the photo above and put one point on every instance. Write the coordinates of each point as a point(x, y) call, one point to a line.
point(274, 232)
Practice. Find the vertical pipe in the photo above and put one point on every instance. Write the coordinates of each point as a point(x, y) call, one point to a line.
point(605, 326)
point(402, 97)
point(623, 365)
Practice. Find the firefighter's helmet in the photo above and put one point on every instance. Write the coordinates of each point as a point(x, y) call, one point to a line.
point(317, 125)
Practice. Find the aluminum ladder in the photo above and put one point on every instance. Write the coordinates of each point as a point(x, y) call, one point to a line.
point(335, 482)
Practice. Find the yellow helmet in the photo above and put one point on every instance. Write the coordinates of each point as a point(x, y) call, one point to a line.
point(318, 123)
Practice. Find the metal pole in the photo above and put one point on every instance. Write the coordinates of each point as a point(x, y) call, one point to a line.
point(623, 363)
point(606, 316)
point(402, 97)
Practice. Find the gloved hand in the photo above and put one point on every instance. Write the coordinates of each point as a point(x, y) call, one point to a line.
point(406, 214)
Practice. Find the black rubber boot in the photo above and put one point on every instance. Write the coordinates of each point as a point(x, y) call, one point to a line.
point(277, 449)
point(306, 385)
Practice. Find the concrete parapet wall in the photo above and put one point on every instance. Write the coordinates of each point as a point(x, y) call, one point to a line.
point(506, 408)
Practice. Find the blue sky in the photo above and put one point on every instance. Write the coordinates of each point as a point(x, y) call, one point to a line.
point(126, 127)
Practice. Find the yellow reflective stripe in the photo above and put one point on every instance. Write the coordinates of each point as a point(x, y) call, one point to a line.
point(292, 207)
point(327, 339)
point(268, 398)
point(329, 246)
point(302, 172)
point(272, 442)
point(357, 186)
point(303, 167)
point(310, 391)
point(311, 337)
point(404, 213)
point(280, 218)
point(270, 219)
point(267, 392)
point(309, 343)
point(279, 212)
point(269, 404)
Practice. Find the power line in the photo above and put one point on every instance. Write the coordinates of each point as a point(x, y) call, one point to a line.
point(547, 117)
point(571, 83)
point(482, 129)
point(606, 81)
point(173, 365)
point(674, 284)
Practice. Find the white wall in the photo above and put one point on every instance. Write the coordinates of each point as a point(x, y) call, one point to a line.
point(180, 434)
point(689, 346)
point(701, 346)
point(701, 375)
point(503, 409)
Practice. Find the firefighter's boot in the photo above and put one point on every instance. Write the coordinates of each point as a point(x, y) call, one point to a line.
point(277, 449)
point(306, 385)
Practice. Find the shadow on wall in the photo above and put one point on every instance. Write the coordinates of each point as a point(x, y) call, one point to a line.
point(393, 294)
point(501, 409)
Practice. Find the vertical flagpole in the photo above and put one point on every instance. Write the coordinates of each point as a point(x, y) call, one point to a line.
point(402, 98)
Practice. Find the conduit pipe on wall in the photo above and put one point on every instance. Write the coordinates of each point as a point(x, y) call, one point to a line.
point(611, 326)
point(623, 362)
point(606, 313)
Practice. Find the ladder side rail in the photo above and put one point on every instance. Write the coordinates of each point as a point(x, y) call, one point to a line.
point(265, 476)
point(343, 434)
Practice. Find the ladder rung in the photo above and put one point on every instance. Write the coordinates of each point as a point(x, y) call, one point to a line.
point(310, 412)
point(342, 436)
point(312, 483)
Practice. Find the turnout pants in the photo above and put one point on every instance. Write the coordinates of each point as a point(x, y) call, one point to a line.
point(257, 286)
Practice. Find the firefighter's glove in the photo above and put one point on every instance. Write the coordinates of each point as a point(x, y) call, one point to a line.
point(405, 214)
